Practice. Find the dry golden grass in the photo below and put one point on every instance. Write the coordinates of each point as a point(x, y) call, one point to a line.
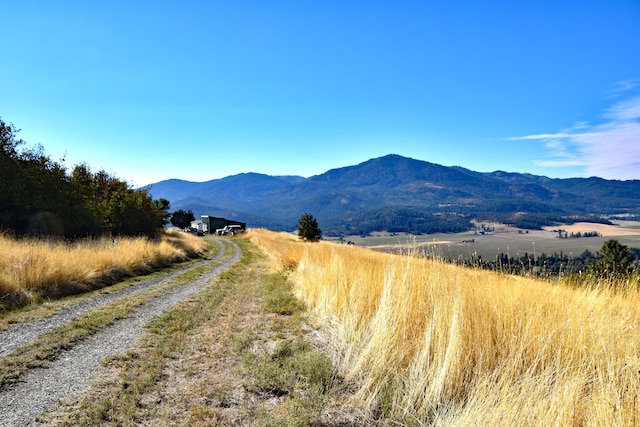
point(32, 269)
point(285, 249)
point(434, 344)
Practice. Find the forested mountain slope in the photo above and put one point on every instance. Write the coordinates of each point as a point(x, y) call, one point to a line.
point(397, 193)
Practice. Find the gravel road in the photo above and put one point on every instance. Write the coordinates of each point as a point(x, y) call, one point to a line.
point(75, 368)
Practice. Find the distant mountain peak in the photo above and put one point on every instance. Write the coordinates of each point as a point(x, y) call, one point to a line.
point(396, 192)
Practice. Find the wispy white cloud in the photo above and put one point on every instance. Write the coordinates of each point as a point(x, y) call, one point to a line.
point(623, 87)
point(559, 163)
point(625, 110)
point(540, 136)
point(610, 149)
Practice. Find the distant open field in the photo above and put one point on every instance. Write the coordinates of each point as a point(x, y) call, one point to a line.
point(508, 240)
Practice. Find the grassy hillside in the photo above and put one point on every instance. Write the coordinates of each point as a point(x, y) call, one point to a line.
point(426, 343)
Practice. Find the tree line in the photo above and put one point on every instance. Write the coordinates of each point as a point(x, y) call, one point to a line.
point(38, 196)
point(534, 220)
point(613, 260)
point(398, 219)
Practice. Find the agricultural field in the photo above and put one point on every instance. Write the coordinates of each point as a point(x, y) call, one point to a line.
point(504, 239)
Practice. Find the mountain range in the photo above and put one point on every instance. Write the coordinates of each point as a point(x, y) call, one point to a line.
point(396, 193)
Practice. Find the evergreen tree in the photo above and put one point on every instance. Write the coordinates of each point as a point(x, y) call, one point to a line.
point(308, 228)
point(613, 260)
point(163, 205)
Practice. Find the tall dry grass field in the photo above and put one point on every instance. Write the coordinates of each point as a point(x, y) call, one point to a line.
point(31, 269)
point(284, 249)
point(429, 343)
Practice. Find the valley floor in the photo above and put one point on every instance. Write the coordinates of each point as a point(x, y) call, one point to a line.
point(505, 239)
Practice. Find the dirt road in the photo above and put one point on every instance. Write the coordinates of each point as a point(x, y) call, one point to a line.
point(40, 389)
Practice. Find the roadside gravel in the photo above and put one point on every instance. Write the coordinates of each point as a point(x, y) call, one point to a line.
point(75, 368)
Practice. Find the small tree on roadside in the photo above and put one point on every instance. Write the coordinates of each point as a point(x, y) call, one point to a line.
point(182, 218)
point(308, 228)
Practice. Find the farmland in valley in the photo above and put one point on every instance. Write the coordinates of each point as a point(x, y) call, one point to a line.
point(505, 239)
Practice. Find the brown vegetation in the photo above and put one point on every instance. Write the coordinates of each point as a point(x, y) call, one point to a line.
point(435, 344)
point(236, 353)
point(32, 270)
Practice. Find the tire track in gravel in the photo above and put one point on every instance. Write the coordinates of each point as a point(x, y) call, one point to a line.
point(22, 334)
point(42, 389)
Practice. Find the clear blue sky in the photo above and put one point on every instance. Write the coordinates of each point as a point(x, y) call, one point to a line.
point(197, 90)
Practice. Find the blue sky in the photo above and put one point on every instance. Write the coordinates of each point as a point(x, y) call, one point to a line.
point(199, 90)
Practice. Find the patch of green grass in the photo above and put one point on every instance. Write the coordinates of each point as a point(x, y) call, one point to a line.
point(291, 367)
point(247, 256)
point(303, 377)
point(293, 371)
point(279, 297)
point(241, 342)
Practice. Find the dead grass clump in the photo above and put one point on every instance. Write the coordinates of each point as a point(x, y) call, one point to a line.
point(284, 249)
point(191, 245)
point(32, 269)
point(11, 295)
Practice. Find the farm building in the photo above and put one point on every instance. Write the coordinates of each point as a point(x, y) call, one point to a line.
point(211, 223)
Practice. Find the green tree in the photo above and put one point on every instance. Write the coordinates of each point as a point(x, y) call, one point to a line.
point(14, 194)
point(88, 219)
point(38, 197)
point(308, 228)
point(163, 205)
point(613, 260)
point(120, 208)
point(35, 192)
point(182, 218)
